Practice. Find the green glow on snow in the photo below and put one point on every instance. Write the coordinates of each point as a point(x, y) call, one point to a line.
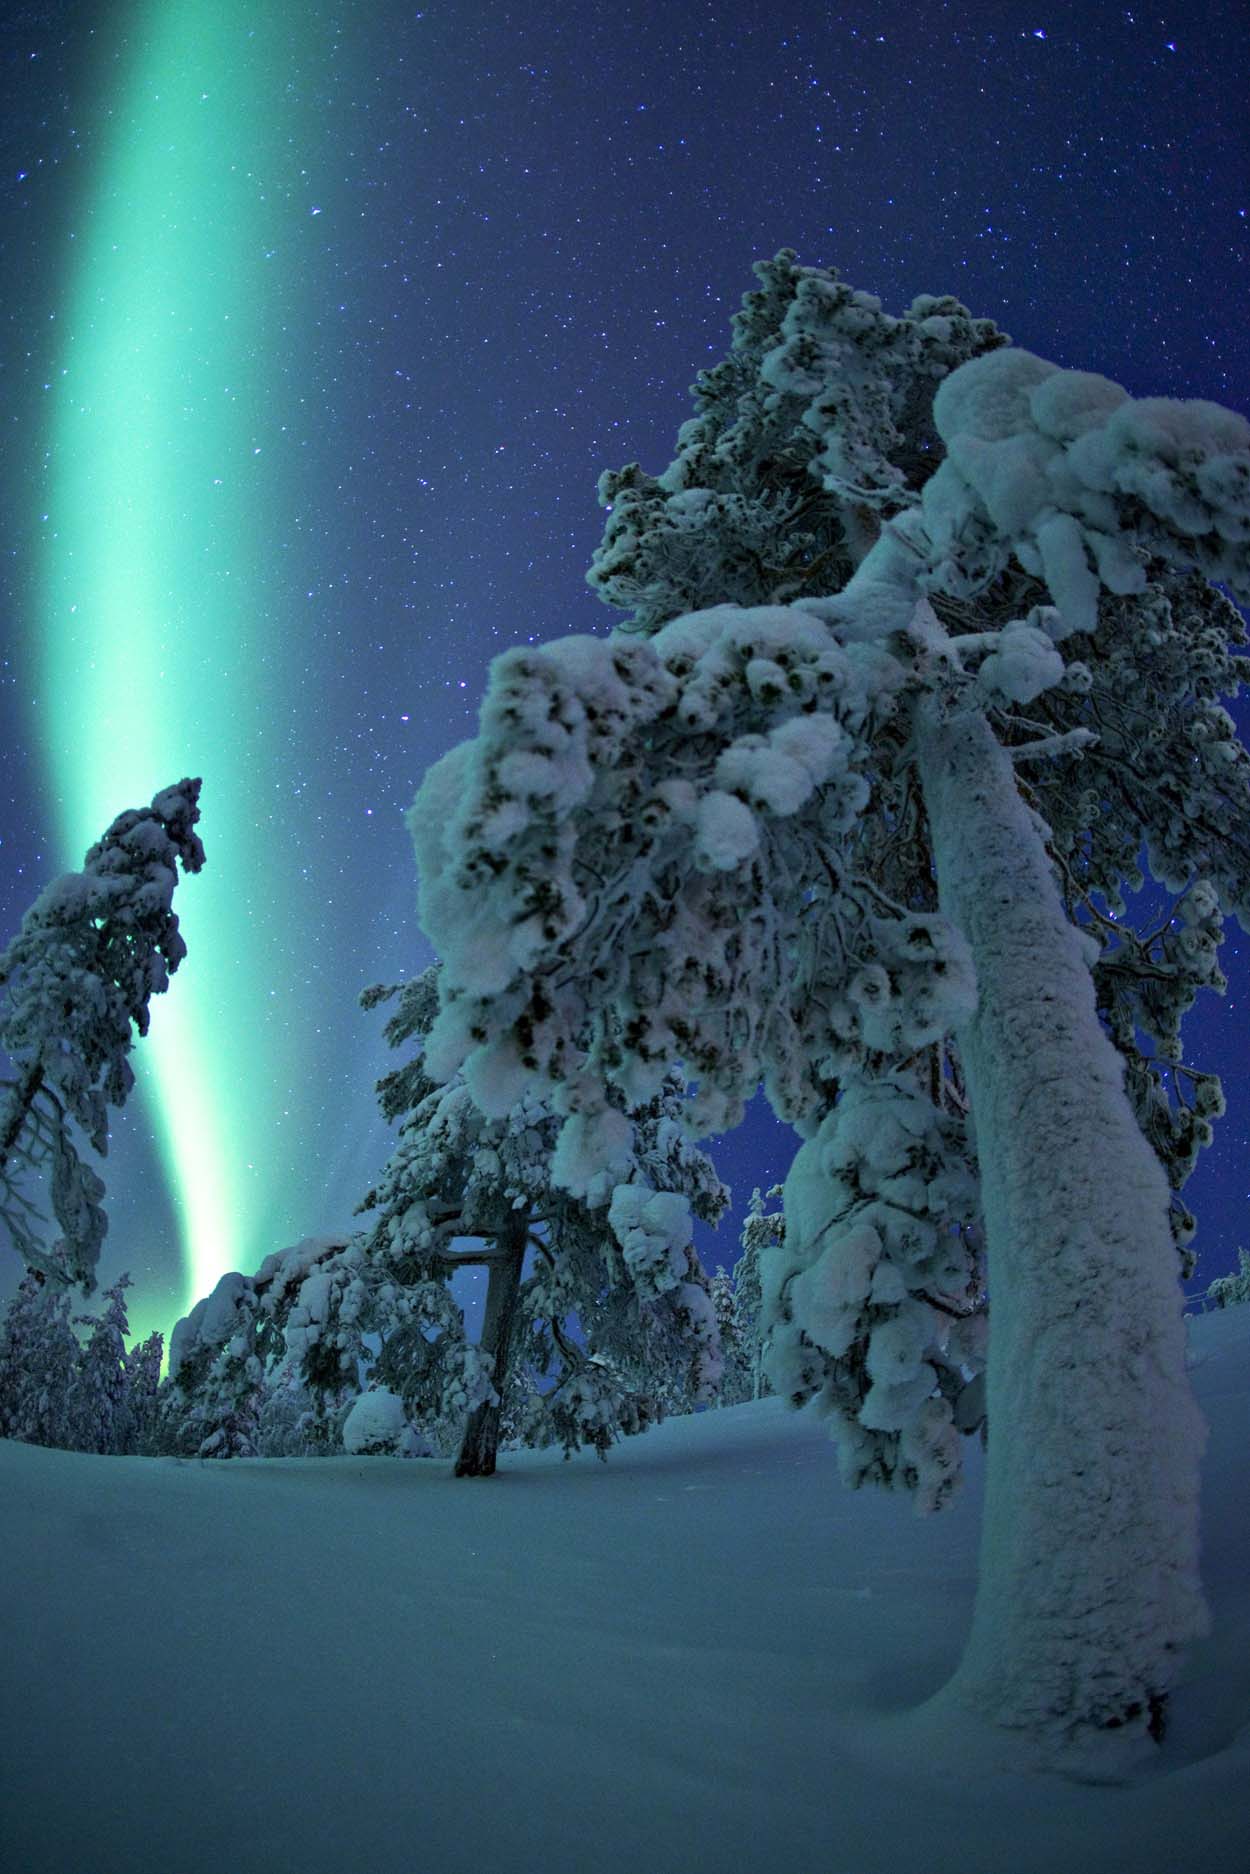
point(156, 657)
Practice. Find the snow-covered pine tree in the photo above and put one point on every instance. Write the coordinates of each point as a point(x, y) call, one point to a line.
point(245, 1341)
point(737, 1296)
point(137, 1429)
point(286, 1424)
point(611, 1327)
point(97, 1393)
point(76, 982)
point(1231, 1291)
point(38, 1356)
point(81, 1394)
point(762, 1231)
point(851, 830)
point(732, 1389)
point(616, 1259)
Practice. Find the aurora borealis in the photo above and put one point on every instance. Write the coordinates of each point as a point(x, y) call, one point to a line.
point(153, 585)
point(165, 643)
point(321, 329)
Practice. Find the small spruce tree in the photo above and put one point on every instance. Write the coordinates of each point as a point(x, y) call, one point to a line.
point(97, 1393)
point(137, 1425)
point(762, 1231)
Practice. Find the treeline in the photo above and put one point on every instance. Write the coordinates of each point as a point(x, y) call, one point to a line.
point(77, 1382)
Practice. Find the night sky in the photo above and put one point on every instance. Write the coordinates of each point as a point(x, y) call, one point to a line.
point(320, 326)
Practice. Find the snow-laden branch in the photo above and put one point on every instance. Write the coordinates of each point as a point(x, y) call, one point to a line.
point(1071, 742)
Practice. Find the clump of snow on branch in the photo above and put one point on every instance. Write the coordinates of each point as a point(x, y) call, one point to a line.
point(654, 1230)
point(873, 1301)
point(1082, 484)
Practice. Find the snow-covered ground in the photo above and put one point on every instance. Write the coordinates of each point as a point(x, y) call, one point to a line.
point(691, 1659)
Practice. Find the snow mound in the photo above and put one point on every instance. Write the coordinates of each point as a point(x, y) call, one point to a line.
point(376, 1427)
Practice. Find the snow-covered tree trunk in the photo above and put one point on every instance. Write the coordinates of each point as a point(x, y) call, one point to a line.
point(1089, 1584)
point(481, 1433)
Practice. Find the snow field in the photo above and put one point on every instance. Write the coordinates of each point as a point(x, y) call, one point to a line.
point(700, 1658)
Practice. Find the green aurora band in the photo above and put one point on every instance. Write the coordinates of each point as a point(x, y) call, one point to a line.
point(158, 649)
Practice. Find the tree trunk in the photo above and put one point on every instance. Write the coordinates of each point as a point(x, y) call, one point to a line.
point(1088, 1588)
point(481, 1433)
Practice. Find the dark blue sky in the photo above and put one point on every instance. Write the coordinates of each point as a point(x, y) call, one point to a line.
point(498, 242)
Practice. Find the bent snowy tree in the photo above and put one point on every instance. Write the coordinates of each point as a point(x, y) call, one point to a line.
point(75, 985)
point(925, 651)
point(617, 1260)
point(612, 1325)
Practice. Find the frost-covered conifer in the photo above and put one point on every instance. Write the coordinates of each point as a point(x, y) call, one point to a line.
point(97, 1394)
point(89, 1394)
point(763, 1230)
point(211, 1396)
point(731, 1390)
point(38, 1356)
point(616, 1257)
point(1231, 1291)
point(93, 950)
point(137, 1427)
point(597, 1317)
point(737, 1296)
point(244, 1342)
point(286, 1415)
point(935, 653)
